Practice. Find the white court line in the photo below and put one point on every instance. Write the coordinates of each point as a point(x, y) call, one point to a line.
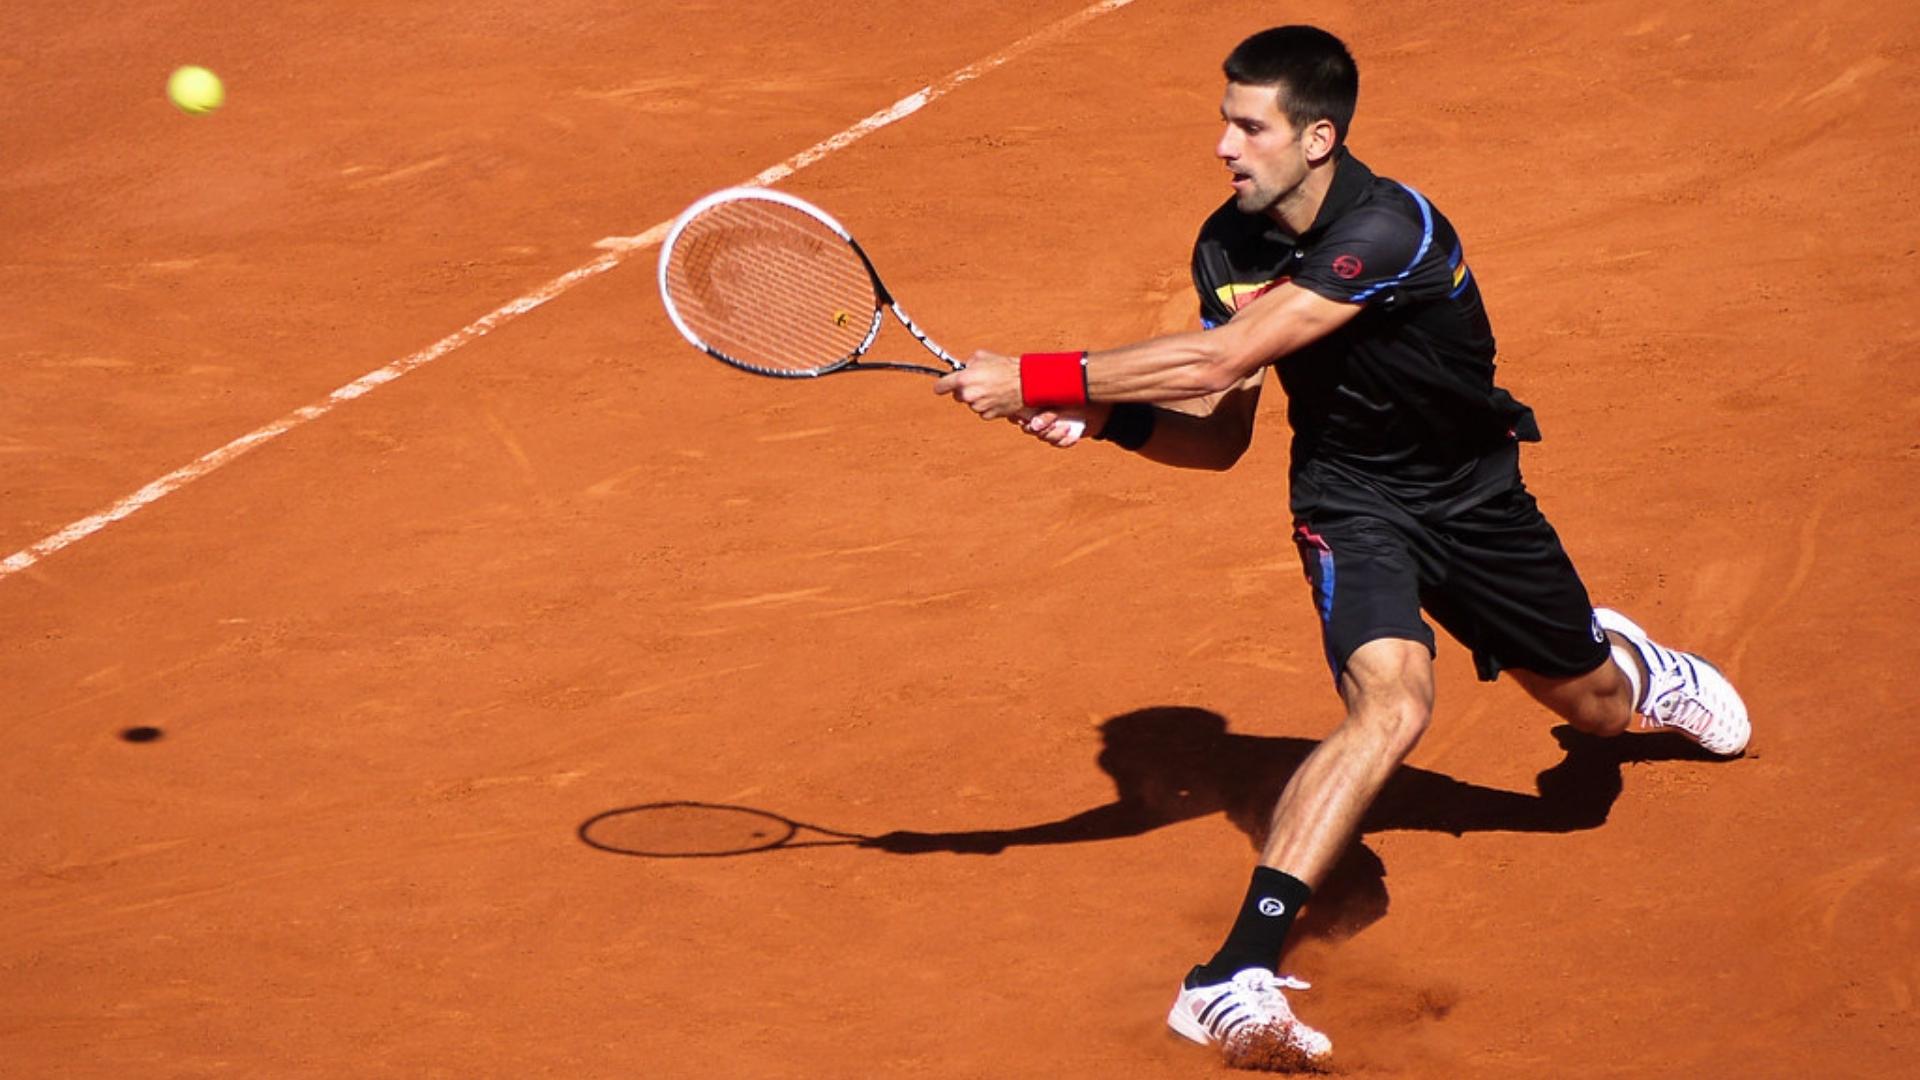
point(619, 248)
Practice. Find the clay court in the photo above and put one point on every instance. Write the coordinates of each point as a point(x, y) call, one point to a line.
point(411, 661)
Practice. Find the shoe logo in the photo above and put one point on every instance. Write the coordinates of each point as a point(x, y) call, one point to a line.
point(1272, 908)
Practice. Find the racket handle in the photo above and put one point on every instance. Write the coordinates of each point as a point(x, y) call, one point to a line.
point(1078, 427)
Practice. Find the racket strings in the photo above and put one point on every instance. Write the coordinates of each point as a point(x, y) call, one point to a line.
point(771, 287)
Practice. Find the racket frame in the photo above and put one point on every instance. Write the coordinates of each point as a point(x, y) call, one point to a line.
point(883, 296)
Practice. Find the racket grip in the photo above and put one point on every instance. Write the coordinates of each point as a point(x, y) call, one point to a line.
point(1078, 427)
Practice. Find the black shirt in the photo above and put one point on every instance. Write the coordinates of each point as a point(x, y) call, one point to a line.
point(1400, 402)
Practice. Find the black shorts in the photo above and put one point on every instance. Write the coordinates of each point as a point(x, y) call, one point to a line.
point(1494, 576)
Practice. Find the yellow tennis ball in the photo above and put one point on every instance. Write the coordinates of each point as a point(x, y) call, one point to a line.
point(195, 89)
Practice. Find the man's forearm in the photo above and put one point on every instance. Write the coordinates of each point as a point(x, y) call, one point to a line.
point(1172, 368)
point(1204, 362)
point(1213, 442)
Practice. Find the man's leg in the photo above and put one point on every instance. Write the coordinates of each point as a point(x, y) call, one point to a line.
point(1601, 702)
point(1512, 595)
point(1235, 999)
point(1646, 688)
point(1388, 688)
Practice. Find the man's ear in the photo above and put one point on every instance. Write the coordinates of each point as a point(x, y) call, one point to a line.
point(1319, 141)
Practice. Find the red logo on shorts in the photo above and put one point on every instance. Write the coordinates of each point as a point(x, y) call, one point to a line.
point(1346, 267)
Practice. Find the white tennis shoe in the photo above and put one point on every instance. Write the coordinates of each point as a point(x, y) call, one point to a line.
point(1248, 1019)
point(1684, 692)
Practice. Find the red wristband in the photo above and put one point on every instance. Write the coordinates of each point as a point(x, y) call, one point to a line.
point(1053, 379)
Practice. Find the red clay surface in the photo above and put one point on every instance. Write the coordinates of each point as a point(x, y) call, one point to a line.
point(402, 654)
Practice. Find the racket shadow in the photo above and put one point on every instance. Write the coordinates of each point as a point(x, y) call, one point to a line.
point(683, 829)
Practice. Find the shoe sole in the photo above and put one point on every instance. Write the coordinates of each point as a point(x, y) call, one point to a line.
point(1191, 1029)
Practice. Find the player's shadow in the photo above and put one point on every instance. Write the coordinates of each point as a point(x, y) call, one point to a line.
point(1171, 764)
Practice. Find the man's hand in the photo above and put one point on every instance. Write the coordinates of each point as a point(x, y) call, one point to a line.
point(989, 385)
point(1063, 427)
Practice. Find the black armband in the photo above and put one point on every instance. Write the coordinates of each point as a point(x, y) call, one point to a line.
point(1129, 425)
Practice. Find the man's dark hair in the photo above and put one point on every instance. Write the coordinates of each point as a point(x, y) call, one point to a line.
point(1313, 69)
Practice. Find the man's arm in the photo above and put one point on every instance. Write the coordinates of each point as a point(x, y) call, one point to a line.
point(1211, 432)
point(1202, 362)
point(1177, 367)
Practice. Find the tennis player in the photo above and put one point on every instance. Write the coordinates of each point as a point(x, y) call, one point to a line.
point(1405, 487)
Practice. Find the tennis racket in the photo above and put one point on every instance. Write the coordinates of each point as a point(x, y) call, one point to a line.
point(772, 284)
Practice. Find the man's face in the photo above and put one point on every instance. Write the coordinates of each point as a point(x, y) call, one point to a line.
point(1262, 150)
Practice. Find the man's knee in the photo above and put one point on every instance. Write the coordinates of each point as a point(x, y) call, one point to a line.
point(1396, 722)
point(1598, 703)
point(1388, 685)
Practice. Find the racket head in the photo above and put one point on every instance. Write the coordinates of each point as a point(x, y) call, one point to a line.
point(770, 284)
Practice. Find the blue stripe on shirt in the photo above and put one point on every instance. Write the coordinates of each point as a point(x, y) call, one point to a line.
point(1426, 241)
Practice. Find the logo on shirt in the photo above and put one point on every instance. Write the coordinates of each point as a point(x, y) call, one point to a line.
point(1237, 296)
point(1347, 267)
point(1272, 908)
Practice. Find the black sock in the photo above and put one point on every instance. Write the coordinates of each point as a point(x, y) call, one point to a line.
point(1266, 915)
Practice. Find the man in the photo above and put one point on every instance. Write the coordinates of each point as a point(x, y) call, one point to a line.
point(1404, 484)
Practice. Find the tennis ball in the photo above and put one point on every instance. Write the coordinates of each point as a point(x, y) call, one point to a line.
point(196, 90)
